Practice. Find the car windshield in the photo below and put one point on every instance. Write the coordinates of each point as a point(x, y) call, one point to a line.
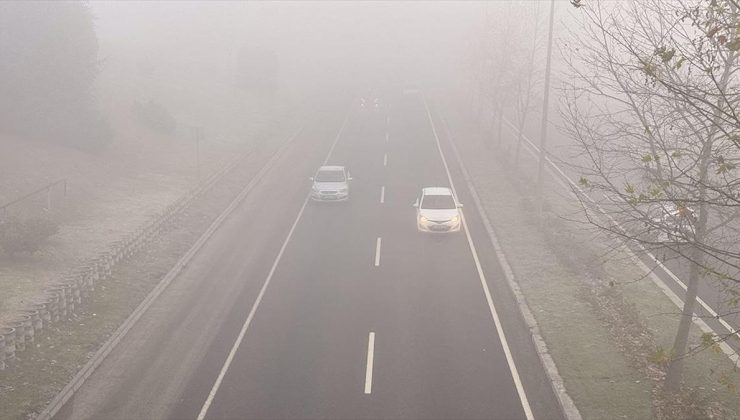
point(438, 202)
point(330, 176)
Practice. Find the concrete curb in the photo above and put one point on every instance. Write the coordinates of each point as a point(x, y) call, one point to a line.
point(61, 299)
point(567, 405)
point(571, 187)
point(79, 379)
point(65, 296)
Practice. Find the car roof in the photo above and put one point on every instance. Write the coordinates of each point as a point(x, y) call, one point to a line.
point(436, 191)
point(331, 168)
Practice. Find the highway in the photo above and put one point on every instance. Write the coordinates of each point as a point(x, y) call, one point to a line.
point(297, 309)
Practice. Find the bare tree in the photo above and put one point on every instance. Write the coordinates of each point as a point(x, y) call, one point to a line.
point(502, 66)
point(527, 83)
point(652, 104)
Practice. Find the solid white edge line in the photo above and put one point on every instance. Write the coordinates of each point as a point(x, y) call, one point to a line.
point(569, 408)
point(377, 252)
point(560, 175)
point(79, 379)
point(245, 327)
point(248, 321)
point(382, 194)
point(496, 320)
point(369, 366)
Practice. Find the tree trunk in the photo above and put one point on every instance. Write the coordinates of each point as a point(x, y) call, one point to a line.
point(675, 368)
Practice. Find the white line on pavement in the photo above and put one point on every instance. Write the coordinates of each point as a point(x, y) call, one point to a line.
point(79, 380)
point(369, 367)
point(496, 320)
point(387, 137)
point(385, 159)
point(382, 195)
point(248, 321)
point(566, 403)
point(377, 252)
point(560, 175)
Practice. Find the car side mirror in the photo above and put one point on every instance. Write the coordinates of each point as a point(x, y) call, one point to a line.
point(415, 204)
point(349, 178)
point(459, 205)
point(310, 178)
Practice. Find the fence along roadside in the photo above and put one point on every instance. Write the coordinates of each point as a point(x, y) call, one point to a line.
point(65, 296)
point(38, 202)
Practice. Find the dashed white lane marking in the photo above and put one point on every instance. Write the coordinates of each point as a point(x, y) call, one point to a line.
point(486, 291)
point(387, 137)
point(382, 195)
point(385, 159)
point(377, 252)
point(248, 321)
point(369, 367)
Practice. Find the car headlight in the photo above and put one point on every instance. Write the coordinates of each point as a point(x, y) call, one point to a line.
point(455, 219)
point(423, 220)
point(342, 190)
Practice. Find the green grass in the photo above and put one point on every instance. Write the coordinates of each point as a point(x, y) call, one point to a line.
point(565, 280)
point(61, 351)
point(596, 374)
point(702, 371)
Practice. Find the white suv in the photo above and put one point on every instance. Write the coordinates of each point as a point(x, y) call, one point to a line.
point(437, 210)
point(331, 183)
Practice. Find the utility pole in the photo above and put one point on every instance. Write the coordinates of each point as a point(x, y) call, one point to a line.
point(543, 127)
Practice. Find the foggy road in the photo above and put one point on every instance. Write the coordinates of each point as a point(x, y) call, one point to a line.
point(369, 210)
point(297, 309)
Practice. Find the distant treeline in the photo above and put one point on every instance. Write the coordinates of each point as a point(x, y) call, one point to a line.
point(48, 65)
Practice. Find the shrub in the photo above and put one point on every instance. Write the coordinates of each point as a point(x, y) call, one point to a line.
point(19, 236)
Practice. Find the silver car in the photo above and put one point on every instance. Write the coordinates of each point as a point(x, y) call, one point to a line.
point(437, 210)
point(673, 223)
point(331, 183)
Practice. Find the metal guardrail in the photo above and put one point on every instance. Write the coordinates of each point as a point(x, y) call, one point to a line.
point(77, 382)
point(65, 296)
point(47, 188)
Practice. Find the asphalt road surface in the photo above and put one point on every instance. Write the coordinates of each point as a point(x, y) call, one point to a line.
point(296, 309)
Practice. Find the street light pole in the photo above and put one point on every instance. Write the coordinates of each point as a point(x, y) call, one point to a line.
point(543, 126)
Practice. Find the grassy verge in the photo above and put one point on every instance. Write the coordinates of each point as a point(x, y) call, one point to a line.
point(58, 353)
point(602, 318)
